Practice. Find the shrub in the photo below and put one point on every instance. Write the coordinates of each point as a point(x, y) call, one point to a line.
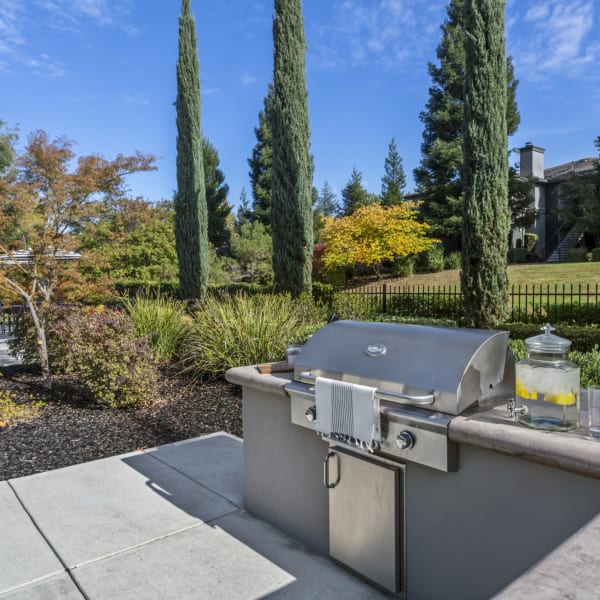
point(12, 412)
point(573, 313)
point(240, 287)
point(405, 266)
point(589, 364)
point(595, 255)
point(323, 293)
point(430, 261)
point(385, 318)
point(131, 288)
point(243, 330)
point(353, 305)
point(577, 255)
point(584, 339)
point(435, 306)
point(518, 348)
point(338, 276)
point(162, 320)
point(531, 240)
point(112, 365)
point(453, 261)
point(518, 255)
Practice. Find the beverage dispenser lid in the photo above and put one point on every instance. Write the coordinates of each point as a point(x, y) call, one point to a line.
point(548, 342)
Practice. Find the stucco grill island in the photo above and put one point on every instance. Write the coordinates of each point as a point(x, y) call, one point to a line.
point(390, 449)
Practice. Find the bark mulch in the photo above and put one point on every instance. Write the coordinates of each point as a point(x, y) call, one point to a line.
point(67, 430)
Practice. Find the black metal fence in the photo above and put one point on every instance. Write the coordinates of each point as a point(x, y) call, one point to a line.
point(8, 316)
point(576, 304)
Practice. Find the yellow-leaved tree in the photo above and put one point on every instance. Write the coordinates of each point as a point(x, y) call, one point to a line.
point(372, 234)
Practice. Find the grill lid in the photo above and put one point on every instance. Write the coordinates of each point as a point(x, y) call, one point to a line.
point(459, 366)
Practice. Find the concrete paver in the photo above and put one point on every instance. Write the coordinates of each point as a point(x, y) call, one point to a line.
point(105, 506)
point(24, 554)
point(221, 466)
point(57, 587)
point(160, 524)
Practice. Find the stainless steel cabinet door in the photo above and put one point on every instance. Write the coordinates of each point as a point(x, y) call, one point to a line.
point(366, 517)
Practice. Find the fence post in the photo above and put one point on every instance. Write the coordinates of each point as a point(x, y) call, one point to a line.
point(384, 299)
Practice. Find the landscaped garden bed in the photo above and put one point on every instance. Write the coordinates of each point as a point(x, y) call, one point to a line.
point(67, 430)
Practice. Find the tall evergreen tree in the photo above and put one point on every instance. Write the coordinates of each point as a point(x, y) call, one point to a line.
point(291, 202)
point(486, 215)
point(327, 204)
point(438, 176)
point(354, 195)
point(244, 212)
point(261, 164)
point(394, 180)
point(191, 229)
point(218, 208)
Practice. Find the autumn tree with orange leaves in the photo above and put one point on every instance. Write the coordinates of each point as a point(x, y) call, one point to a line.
point(45, 200)
point(372, 234)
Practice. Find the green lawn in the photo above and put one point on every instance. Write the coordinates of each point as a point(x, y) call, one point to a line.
point(538, 274)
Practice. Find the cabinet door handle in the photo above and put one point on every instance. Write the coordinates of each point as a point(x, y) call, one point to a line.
point(326, 482)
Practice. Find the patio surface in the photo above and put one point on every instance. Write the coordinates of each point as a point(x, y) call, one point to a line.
point(164, 523)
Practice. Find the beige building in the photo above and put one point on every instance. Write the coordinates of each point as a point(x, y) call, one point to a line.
point(555, 237)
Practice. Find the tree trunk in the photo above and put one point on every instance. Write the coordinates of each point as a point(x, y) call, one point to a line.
point(42, 346)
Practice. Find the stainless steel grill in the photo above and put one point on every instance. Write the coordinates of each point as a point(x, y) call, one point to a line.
point(423, 376)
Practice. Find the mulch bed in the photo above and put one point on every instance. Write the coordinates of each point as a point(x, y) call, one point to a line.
point(68, 430)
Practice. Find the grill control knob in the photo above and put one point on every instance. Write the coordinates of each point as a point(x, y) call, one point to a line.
point(405, 440)
point(311, 414)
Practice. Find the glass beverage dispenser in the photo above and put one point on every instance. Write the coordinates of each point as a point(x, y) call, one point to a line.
point(547, 384)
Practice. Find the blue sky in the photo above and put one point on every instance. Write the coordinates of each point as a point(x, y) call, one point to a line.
point(102, 73)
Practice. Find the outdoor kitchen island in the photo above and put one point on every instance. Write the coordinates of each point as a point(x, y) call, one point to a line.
point(510, 497)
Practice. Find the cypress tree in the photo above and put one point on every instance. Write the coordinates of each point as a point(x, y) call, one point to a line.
point(291, 208)
point(191, 232)
point(486, 215)
point(394, 180)
point(439, 175)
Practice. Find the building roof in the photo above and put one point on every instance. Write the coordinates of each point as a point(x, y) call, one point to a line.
point(566, 170)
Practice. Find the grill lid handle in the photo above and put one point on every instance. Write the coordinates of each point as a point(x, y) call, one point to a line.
point(412, 399)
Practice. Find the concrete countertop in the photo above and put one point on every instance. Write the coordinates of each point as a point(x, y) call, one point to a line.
point(492, 429)
point(250, 376)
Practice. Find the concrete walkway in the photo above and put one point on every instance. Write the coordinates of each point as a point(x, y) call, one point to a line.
point(164, 523)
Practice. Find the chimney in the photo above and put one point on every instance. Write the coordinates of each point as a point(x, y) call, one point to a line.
point(531, 164)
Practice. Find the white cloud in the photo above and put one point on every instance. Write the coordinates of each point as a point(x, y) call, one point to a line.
point(66, 16)
point(554, 37)
point(381, 33)
point(248, 79)
point(211, 91)
point(135, 99)
point(10, 31)
point(102, 12)
point(46, 66)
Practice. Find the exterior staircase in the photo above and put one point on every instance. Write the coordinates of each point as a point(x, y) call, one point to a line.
point(569, 242)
